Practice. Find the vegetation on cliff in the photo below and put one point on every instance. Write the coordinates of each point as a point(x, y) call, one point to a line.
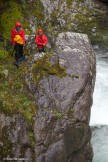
point(16, 97)
point(82, 17)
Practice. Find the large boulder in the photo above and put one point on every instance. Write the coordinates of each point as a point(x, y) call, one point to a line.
point(64, 102)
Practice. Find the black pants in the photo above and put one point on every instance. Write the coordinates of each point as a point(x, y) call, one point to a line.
point(18, 51)
point(41, 50)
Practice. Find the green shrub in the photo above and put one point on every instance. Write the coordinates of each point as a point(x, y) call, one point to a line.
point(9, 17)
point(3, 55)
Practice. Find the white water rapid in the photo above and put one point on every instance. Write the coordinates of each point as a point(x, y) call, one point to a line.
point(99, 113)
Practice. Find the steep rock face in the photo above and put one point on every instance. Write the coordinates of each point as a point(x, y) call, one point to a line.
point(61, 128)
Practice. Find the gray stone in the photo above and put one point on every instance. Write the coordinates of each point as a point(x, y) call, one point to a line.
point(70, 96)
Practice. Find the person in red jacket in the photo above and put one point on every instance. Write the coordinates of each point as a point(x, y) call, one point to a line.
point(41, 41)
point(18, 40)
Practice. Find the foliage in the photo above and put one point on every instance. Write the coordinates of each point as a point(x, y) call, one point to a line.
point(3, 55)
point(14, 11)
point(43, 68)
point(9, 17)
point(15, 95)
point(58, 115)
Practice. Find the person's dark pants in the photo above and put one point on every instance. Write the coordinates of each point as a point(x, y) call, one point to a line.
point(41, 50)
point(18, 51)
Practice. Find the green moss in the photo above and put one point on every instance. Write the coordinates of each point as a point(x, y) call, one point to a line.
point(13, 11)
point(31, 136)
point(70, 113)
point(9, 17)
point(35, 8)
point(6, 148)
point(43, 68)
point(25, 25)
point(69, 3)
point(23, 4)
point(3, 55)
point(20, 103)
point(15, 96)
point(58, 115)
point(57, 70)
point(55, 14)
point(2, 75)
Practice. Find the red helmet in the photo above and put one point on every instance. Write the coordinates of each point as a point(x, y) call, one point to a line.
point(17, 24)
point(40, 31)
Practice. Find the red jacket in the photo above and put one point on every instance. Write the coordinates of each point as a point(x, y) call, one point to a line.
point(41, 41)
point(14, 32)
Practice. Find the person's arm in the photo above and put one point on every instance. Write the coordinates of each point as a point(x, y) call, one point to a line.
point(12, 36)
point(45, 40)
point(38, 41)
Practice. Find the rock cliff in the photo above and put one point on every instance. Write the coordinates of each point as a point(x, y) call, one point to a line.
point(62, 84)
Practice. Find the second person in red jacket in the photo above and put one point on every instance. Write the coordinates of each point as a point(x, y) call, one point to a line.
point(41, 41)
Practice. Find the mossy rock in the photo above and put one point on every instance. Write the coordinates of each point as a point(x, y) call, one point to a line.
point(19, 99)
point(6, 148)
point(44, 68)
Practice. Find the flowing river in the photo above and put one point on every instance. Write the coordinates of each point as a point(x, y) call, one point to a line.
point(99, 113)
